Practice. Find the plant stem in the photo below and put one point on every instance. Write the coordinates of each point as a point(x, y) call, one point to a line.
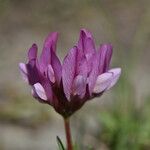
point(68, 133)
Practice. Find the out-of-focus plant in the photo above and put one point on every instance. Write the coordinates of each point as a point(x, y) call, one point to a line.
point(126, 128)
point(13, 104)
point(84, 75)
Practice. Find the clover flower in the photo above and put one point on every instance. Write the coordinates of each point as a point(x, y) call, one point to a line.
point(83, 74)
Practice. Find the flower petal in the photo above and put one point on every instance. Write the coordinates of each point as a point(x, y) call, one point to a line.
point(51, 74)
point(68, 71)
point(33, 72)
point(48, 90)
point(51, 40)
point(32, 53)
point(79, 86)
point(89, 47)
point(50, 43)
point(105, 51)
point(55, 62)
point(23, 70)
point(94, 73)
point(108, 56)
point(86, 43)
point(102, 83)
point(40, 91)
point(34, 94)
point(43, 91)
point(116, 74)
point(82, 67)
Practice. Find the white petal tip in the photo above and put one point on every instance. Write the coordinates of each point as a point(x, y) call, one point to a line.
point(40, 91)
point(102, 83)
point(51, 74)
point(23, 71)
point(116, 74)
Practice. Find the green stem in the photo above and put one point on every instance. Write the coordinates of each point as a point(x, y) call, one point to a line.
point(68, 133)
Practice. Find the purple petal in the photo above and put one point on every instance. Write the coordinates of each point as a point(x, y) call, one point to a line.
point(33, 72)
point(68, 71)
point(86, 43)
point(105, 57)
point(51, 40)
point(108, 56)
point(50, 43)
point(116, 74)
point(89, 48)
point(82, 67)
point(94, 73)
point(102, 83)
point(51, 74)
point(79, 86)
point(32, 53)
point(40, 91)
point(55, 62)
point(23, 71)
point(48, 90)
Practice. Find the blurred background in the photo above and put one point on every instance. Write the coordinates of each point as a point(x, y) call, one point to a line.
point(120, 119)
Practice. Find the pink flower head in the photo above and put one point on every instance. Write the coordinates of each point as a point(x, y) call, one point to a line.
point(83, 75)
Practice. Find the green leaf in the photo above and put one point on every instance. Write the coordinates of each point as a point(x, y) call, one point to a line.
point(60, 144)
